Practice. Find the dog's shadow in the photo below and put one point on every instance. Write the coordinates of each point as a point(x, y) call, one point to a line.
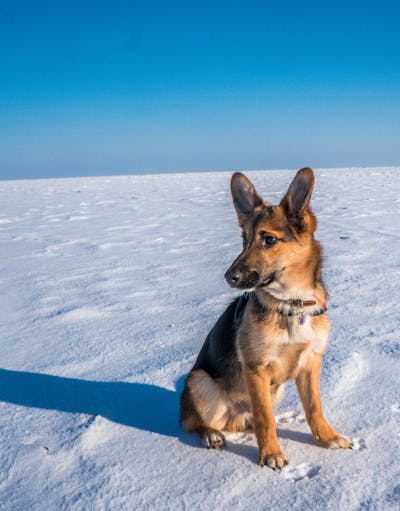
point(143, 406)
point(146, 407)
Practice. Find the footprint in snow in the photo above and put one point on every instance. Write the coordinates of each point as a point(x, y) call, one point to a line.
point(98, 432)
point(358, 444)
point(396, 408)
point(240, 438)
point(290, 417)
point(299, 472)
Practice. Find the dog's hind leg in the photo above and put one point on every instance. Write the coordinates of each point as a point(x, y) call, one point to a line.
point(204, 409)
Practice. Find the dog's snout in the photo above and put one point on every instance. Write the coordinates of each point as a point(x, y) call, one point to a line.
point(241, 277)
point(233, 277)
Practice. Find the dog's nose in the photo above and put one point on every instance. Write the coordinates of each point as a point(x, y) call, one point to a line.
point(233, 277)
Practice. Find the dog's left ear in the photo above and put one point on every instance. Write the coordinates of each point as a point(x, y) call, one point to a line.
point(297, 199)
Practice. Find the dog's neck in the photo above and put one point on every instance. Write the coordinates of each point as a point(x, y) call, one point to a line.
point(293, 296)
point(292, 307)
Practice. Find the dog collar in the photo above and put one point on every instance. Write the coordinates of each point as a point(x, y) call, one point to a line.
point(300, 303)
point(293, 307)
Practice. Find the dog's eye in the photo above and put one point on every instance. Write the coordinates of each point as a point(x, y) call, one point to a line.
point(270, 240)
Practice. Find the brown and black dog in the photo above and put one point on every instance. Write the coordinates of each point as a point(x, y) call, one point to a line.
point(274, 332)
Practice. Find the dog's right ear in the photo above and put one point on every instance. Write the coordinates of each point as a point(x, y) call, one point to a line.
point(245, 198)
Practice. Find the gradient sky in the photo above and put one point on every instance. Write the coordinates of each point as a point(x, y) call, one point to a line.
point(115, 87)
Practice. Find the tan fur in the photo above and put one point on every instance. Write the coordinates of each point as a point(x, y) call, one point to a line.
point(220, 409)
point(272, 348)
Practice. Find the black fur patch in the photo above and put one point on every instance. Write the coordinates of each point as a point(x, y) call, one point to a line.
point(218, 355)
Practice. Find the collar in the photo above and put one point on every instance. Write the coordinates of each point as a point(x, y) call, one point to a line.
point(292, 307)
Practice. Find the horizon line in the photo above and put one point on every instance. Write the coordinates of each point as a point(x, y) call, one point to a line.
point(175, 172)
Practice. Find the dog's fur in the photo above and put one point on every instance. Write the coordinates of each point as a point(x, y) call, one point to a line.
point(265, 338)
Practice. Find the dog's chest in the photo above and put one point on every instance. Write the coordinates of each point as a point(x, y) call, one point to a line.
point(286, 344)
point(297, 330)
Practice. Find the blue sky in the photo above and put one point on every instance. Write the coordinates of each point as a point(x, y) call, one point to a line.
point(94, 88)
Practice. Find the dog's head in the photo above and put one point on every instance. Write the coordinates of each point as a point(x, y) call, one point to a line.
point(277, 240)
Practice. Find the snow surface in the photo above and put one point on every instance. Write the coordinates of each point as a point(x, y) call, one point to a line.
point(109, 287)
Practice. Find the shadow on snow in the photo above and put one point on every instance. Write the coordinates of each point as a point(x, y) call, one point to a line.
point(142, 406)
point(147, 407)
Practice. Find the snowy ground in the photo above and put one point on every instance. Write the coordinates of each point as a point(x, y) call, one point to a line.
point(109, 286)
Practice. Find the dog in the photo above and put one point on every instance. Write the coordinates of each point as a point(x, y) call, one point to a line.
point(276, 331)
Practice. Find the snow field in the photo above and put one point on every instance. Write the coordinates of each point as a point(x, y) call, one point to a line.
point(109, 288)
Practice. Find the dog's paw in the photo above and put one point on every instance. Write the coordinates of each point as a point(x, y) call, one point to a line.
point(339, 442)
point(213, 439)
point(327, 437)
point(276, 461)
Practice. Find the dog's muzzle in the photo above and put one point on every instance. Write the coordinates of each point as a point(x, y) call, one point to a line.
point(242, 278)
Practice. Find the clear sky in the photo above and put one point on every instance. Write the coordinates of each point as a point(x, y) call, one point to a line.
point(113, 87)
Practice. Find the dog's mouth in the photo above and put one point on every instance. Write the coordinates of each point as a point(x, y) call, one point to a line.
point(267, 281)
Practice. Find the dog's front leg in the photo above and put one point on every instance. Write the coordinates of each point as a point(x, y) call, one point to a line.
point(258, 383)
point(307, 383)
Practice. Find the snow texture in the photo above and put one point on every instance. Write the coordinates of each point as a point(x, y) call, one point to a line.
point(109, 287)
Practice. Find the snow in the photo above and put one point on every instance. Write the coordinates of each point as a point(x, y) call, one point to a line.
point(109, 286)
